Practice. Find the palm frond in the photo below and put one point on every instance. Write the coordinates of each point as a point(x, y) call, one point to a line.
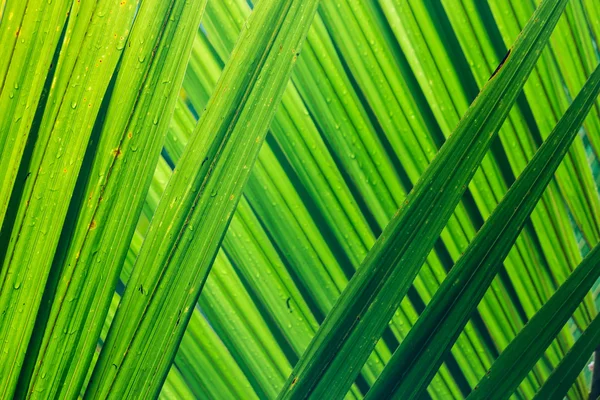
point(152, 246)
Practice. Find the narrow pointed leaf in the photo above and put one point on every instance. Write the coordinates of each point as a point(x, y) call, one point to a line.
point(524, 351)
point(34, 34)
point(565, 374)
point(195, 210)
point(87, 67)
point(348, 334)
point(413, 365)
point(130, 142)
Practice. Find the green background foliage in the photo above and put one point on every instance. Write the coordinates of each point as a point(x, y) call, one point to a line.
point(233, 199)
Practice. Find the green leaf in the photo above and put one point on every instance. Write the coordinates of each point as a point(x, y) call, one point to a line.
point(524, 351)
point(84, 71)
point(197, 205)
point(563, 376)
point(150, 74)
point(31, 29)
point(409, 371)
point(331, 100)
point(203, 360)
point(356, 322)
point(276, 199)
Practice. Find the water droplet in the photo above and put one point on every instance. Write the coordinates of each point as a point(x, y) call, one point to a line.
point(73, 105)
point(11, 95)
point(17, 285)
point(17, 85)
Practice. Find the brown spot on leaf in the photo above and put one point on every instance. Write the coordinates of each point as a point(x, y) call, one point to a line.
point(117, 152)
point(93, 225)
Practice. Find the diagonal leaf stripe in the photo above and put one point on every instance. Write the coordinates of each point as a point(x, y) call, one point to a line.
point(350, 331)
point(506, 374)
point(419, 356)
point(562, 378)
point(185, 196)
point(130, 142)
point(88, 63)
point(195, 210)
point(21, 81)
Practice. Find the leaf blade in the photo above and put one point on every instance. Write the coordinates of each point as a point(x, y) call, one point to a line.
point(414, 363)
point(346, 323)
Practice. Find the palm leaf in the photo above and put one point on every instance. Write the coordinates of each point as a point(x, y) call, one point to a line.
point(65, 130)
point(377, 90)
point(378, 281)
point(562, 378)
point(225, 145)
point(408, 372)
point(129, 143)
point(24, 35)
point(531, 342)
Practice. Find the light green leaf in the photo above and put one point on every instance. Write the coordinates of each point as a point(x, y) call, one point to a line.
point(195, 209)
point(131, 138)
point(84, 71)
